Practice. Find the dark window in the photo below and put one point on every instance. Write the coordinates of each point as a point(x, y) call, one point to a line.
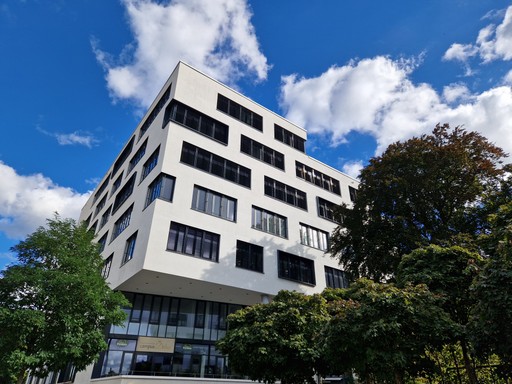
point(94, 226)
point(129, 248)
point(160, 188)
point(216, 165)
point(102, 242)
point(138, 156)
point(289, 138)
point(100, 205)
point(318, 178)
point(150, 164)
point(284, 192)
point(105, 217)
point(269, 222)
point(102, 188)
point(154, 113)
point(123, 156)
point(249, 256)
point(124, 193)
point(193, 241)
point(197, 121)
point(327, 210)
point(122, 223)
point(262, 152)
point(352, 193)
point(239, 112)
point(295, 268)
point(335, 278)
point(116, 184)
point(214, 203)
point(107, 264)
point(313, 237)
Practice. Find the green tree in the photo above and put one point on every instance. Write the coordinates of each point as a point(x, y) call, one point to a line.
point(491, 319)
point(382, 332)
point(448, 272)
point(279, 340)
point(418, 192)
point(54, 303)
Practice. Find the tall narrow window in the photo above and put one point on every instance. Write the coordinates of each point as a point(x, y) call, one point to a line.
point(335, 278)
point(138, 156)
point(105, 217)
point(313, 237)
point(150, 164)
point(214, 203)
point(295, 268)
point(122, 223)
point(107, 264)
point(154, 113)
point(249, 256)
point(352, 193)
point(160, 188)
point(102, 242)
point(129, 248)
point(124, 193)
point(193, 241)
point(269, 222)
point(123, 156)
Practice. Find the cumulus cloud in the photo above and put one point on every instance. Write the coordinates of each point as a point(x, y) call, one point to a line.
point(216, 37)
point(493, 42)
point(75, 138)
point(352, 168)
point(377, 97)
point(27, 201)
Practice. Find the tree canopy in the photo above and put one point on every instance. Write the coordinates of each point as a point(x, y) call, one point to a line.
point(279, 340)
point(54, 303)
point(381, 332)
point(418, 192)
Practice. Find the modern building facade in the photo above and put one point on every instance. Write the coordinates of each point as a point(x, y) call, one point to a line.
point(212, 205)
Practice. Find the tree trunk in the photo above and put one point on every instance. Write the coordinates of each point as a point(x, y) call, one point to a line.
point(470, 370)
point(399, 377)
point(21, 377)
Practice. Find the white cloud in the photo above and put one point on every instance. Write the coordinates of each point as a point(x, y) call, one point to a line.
point(352, 168)
point(493, 42)
point(507, 79)
point(455, 92)
point(377, 97)
point(216, 37)
point(27, 201)
point(75, 138)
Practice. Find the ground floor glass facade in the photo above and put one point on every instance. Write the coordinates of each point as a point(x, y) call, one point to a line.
point(167, 336)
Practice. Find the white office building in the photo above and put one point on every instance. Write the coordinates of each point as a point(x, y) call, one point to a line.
point(212, 205)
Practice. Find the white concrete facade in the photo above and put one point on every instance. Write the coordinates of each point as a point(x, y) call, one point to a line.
point(155, 270)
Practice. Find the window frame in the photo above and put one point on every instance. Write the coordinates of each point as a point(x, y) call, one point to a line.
point(249, 256)
point(295, 268)
point(187, 239)
point(268, 220)
point(210, 197)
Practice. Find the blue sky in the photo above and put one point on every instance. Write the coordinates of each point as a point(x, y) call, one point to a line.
point(76, 77)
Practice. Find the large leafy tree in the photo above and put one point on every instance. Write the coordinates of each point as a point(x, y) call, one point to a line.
point(279, 340)
point(54, 303)
point(448, 272)
point(491, 319)
point(418, 192)
point(382, 332)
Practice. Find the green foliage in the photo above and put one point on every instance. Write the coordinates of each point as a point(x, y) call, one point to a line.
point(382, 332)
point(491, 330)
point(54, 303)
point(418, 192)
point(279, 340)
